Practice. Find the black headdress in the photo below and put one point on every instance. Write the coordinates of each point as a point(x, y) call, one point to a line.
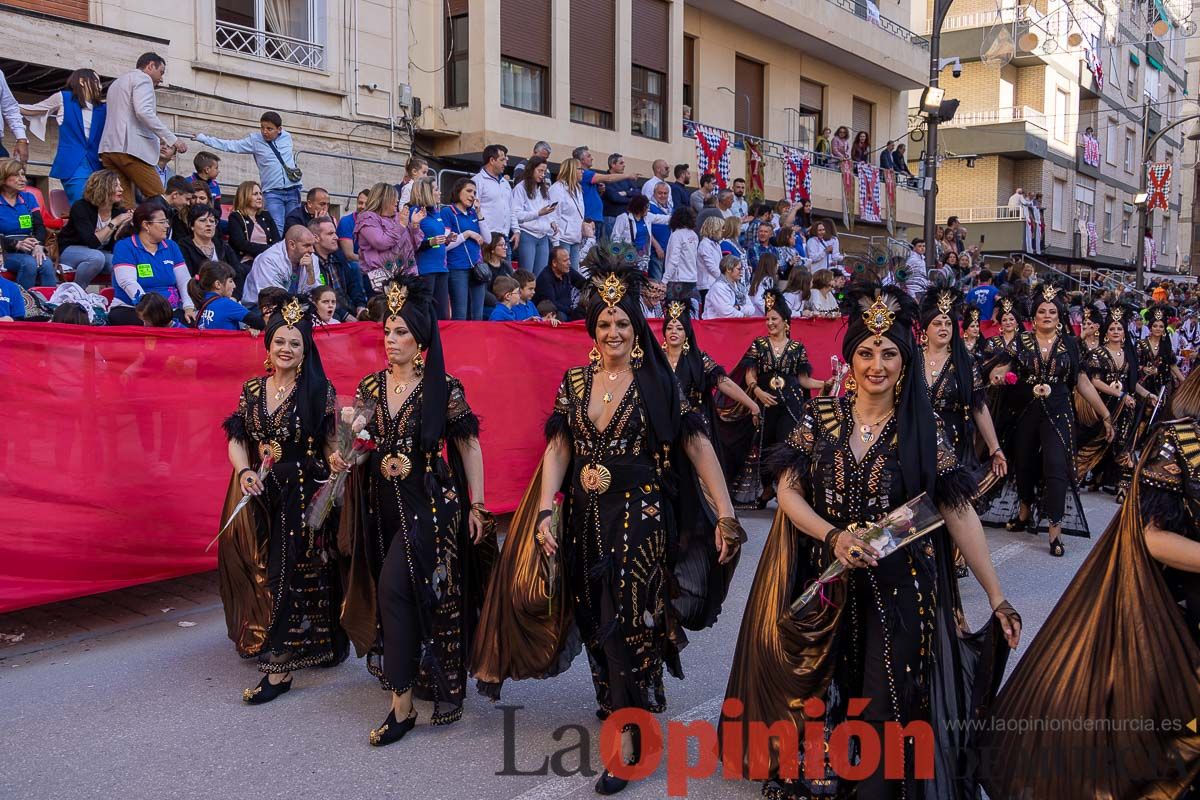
point(1009, 303)
point(312, 387)
point(888, 312)
point(1162, 313)
point(410, 300)
point(946, 302)
point(971, 316)
point(1120, 315)
point(1093, 314)
point(773, 300)
point(1053, 294)
point(618, 284)
point(691, 365)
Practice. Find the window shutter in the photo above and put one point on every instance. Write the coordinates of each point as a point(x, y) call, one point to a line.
point(812, 95)
point(456, 8)
point(525, 31)
point(748, 83)
point(651, 32)
point(860, 118)
point(593, 54)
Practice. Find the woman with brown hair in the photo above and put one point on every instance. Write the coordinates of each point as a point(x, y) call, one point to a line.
point(388, 236)
point(80, 112)
point(86, 242)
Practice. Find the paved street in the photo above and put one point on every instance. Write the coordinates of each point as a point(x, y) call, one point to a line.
point(113, 697)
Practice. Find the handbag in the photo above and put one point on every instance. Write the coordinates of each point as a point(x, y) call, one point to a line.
point(480, 271)
point(293, 173)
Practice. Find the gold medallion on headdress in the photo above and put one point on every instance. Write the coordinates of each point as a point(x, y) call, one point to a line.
point(1158, 315)
point(945, 303)
point(611, 290)
point(1006, 306)
point(397, 296)
point(1118, 314)
point(675, 309)
point(292, 312)
point(1049, 292)
point(879, 318)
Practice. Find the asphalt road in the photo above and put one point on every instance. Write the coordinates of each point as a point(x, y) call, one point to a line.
point(137, 706)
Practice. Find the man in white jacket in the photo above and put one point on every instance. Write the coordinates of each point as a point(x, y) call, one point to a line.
point(494, 194)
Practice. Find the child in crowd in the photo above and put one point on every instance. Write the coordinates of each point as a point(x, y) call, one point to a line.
point(324, 303)
point(548, 312)
point(212, 294)
point(269, 300)
point(508, 295)
point(154, 311)
point(71, 314)
point(12, 302)
point(525, 307)
point(376, 308)
point(201, 195)
point(208, 167)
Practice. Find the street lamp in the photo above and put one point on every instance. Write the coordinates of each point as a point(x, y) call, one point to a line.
point(1141, 197)
point(932, 101)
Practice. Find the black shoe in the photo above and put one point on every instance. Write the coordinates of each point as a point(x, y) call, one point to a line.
point(1017, 524)
point(609, 783)
point(266, 691)
point(602, 714)
point(392, 731)
point(1056, 547)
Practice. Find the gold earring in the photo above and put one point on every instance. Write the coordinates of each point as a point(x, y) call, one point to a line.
point(418, 362)
point(268, 365)
point(686, 347)
point(636, 355)
point(898, 388)
point(1060, 328)
point(299, 370)
point(594, 357)
point(850, 385)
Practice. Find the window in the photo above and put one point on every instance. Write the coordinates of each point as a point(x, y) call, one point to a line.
point(1061, 99)
point(860, 116)
point(1125, 221)
point(457, 67)
point(649, 91)
point(748, 96)
point(1108, 219)
point(1169, 112)
point(591, 116)
point(279, 30)
point(689, 77)
point(1085, 203)
point(1150, 88)
point(1111, 137)
point(810, 116)
point(1131, 86)
point(593, 62)
point(1165, 236)
point(1129, 150)
point(1059, 221)
point(523, 86)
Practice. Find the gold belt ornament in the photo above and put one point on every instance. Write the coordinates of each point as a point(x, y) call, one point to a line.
point(777, 383)
point(396, 466)
point(595, 478)
point(270, 449)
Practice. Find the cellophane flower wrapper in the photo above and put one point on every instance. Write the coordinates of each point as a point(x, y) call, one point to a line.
point(897, 529)
point(353, 445)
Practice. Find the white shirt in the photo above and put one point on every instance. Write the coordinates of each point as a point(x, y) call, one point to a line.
point(708, 264)
point(11, 110)
point(38, 115)
point(740, 208)
point(821, 303)
point(918, 276)
point(272, 267)
point(625, 225)
point(758, 299)
point(680, 261)
point(495, 203)
point(721, 302)
point(526, 210)
point(818, 258)
point(569, 214)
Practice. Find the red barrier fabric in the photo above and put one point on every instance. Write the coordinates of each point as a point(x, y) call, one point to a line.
point(114, 466)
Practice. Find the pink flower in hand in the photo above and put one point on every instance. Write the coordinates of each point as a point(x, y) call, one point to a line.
point(1010, 378)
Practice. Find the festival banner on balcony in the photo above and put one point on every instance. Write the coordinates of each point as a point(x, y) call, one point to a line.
point(1093, 240)
point(1091, 150)
point(115, 467)
point(868, 192)
point(889, 191)
point(712, 153)
point(755, 164)
point(847, 193)
point(1158, 185)
point(797, 175)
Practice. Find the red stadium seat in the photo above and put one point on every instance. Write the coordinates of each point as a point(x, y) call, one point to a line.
point(107, 293)
point(52, 221)
point(44, 291)
point(59, 204)
point(8, 273)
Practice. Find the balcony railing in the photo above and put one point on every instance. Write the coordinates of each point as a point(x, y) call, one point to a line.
point(859, 9)
point(983, 214)
point(986, 19)
point(271, 46)
point(997, 116)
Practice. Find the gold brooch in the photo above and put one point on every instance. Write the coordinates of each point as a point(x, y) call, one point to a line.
point(292, 312)
point(1006, 307)
point(376, 735)
point(1158, 315)
point(397, 296)
point(675, 309)
point(272, 450)
point(595, 478)
point(879, 318)
point(396, 466)
point(776, 383)
point(250, 694)
point(945, 303)
point(611, 290)
point(769, 302)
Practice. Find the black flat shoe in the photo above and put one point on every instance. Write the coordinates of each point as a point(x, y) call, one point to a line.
point(391, 730)
point(266, 691)
point(1056, 547)
point(1018, 524)
point(609, 783)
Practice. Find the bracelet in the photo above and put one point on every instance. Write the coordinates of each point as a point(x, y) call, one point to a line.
point(732, 531)
point(831, 537)
point(994, 452)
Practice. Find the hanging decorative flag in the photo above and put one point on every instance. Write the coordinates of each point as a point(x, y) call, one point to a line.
point(889, 187)
point(1091, 150)
point(797, 175)
point(1151, 248)
point(754, 169)
point(1158, 176)
point(868, 192)
point(847, 192)
point(712, 154)
point(1093, 241)
point(1095, 63)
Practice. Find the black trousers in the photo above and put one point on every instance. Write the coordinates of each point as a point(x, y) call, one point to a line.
point(399, 616)
point(1041, 453)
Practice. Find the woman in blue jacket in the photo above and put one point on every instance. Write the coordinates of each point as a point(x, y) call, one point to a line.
point(431, 254)
point(463, 252)
point(80, 111)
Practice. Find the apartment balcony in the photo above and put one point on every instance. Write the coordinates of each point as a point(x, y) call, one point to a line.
point(995, 229)
point(1088, 88)
point(1154, 121)
point(1084, 168)
point(963, 34)
point(839, 32)
point(1018, 132)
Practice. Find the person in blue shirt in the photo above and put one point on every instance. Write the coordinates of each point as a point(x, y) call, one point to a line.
point(149, 263)
point(431, 254)
point(208, 167)
point(593, 205)
point(80, 111)
point(661, 204)
point(212, 292)
point(527, 286)
point(463, 252)
point(12, 303)
point(984, 295)
point(345, 230)
point(22, 228)
point(617, 195)
point(508, 295)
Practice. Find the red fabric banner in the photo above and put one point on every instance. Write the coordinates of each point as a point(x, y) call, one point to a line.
point(114, 465)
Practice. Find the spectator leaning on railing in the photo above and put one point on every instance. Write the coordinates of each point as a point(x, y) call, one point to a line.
point(22, 228)
point(80, 112)
point(86, 242)
point(133, 132)
point(273, 152)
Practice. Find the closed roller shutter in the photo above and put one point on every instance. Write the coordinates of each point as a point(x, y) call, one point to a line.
point(593, 54)
point(525, 30)
point(861, 118)
point(456, 8)
point(812, 95)
point(68, 9)
point(748, 83)
point(651, 34)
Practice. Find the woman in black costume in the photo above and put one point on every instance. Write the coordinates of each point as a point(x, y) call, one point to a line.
point(1159, 364)
point(421, 540)
point(1089, 330)
point(1047, 364)
point(889, 631)
point(699, 376)
point(1121, 647)
point(971, 337)
point(617, 432)
point(279, 577)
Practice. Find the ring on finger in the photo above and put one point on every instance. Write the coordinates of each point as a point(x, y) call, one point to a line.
point(856, 553)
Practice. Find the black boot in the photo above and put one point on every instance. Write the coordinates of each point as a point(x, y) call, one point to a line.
point(609, 783)
point(392, 731)
point(266, 691)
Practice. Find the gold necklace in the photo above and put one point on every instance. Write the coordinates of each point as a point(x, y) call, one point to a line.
point(612, 376)
point(866, 431)
point(279, 393)
point(400, 387)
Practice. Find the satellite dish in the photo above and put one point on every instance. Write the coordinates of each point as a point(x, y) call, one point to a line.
point(1160, 28)
point(1075, 39)
point(1028, 41)
point(997, 49)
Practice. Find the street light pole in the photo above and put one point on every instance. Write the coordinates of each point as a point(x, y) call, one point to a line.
point(940, 8)
point(1143, 212)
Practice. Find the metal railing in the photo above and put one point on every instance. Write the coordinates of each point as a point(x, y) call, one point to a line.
point(271, 46)
point(986, 214)
point(859, 9)
point(986, 19)
point(999, 115)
